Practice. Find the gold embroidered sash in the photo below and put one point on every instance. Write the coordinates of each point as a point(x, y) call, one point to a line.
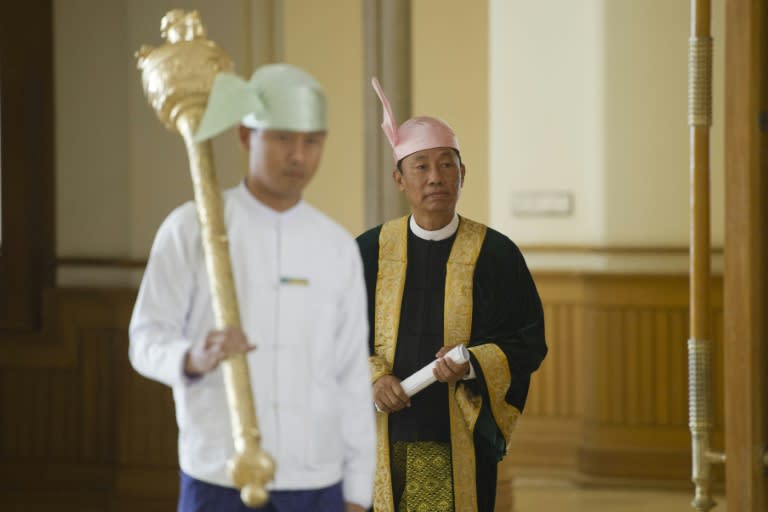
point(390, 283)
point(464, 407)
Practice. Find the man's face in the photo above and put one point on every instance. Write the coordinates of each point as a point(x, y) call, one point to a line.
point(431, 180)
point(282, 162)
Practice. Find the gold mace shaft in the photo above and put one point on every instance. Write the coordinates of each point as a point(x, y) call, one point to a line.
point(699, 345)
point(177, 79)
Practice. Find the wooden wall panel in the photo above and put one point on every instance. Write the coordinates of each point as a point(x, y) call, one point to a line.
point(553, 415)
point(555, 395)
point(81, 429)
point(149, 434)
point(610, 401)
point(640, 366)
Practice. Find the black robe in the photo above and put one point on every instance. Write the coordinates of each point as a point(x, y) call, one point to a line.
point(506, 311)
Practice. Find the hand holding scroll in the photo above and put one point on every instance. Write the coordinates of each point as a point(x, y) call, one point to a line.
point(454, 368)
point(391, 395)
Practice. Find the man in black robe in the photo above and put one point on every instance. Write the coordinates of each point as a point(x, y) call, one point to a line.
point(436, 280)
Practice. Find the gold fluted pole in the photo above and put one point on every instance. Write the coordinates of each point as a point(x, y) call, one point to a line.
point(177, 79)
point(699, 344)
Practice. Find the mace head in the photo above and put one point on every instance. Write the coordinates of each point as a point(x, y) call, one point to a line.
point(179, 25)
point(178, 75)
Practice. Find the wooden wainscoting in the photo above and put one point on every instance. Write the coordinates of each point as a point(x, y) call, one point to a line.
point(80, 431)
point(610, 401)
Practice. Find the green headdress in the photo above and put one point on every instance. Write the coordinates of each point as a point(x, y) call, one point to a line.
point(277, 97)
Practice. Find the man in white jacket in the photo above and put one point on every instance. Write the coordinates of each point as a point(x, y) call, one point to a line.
point(302, 299)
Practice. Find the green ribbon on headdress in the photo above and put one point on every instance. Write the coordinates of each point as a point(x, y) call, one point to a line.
point(277, 97)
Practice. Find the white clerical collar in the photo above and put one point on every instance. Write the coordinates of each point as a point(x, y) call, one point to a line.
point(440, 234)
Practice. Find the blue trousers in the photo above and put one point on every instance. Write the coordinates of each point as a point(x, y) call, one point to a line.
point(197, 496)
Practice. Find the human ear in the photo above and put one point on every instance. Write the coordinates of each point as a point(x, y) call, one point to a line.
point(397, 177)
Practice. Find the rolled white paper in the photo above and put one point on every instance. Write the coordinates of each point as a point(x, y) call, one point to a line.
point(425, 376)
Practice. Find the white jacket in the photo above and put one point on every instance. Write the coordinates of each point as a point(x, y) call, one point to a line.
point(302, 301)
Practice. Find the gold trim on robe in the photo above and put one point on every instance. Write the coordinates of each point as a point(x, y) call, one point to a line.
point(379, 367)
point(495, 367)
point(390, 283)
point(465, 406)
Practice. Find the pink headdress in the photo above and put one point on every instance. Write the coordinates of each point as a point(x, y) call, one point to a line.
point(416, 134)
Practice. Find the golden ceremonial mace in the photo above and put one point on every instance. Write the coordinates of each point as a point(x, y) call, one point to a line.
point(177, 78)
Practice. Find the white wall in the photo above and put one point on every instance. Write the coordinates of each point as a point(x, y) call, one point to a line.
point(119, 172)
point(325, 38)
point(545, 109)
point(449, 79)
point(589, 98)
point(586, 97)
point(92, 89)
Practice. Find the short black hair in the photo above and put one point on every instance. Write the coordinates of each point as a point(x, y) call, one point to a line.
point(400, 162)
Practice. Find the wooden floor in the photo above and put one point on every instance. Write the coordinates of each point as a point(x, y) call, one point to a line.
point(535, 496)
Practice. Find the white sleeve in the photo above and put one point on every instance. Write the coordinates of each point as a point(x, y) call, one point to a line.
point(157, 342)
point(358, 430)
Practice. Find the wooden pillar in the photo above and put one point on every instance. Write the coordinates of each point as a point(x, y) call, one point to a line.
point(387, 36)
point(263, 39)
point(746, 250)
point(27, 233)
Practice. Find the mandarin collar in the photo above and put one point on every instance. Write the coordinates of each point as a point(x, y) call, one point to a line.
point(443, 233)
point(253, 203)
